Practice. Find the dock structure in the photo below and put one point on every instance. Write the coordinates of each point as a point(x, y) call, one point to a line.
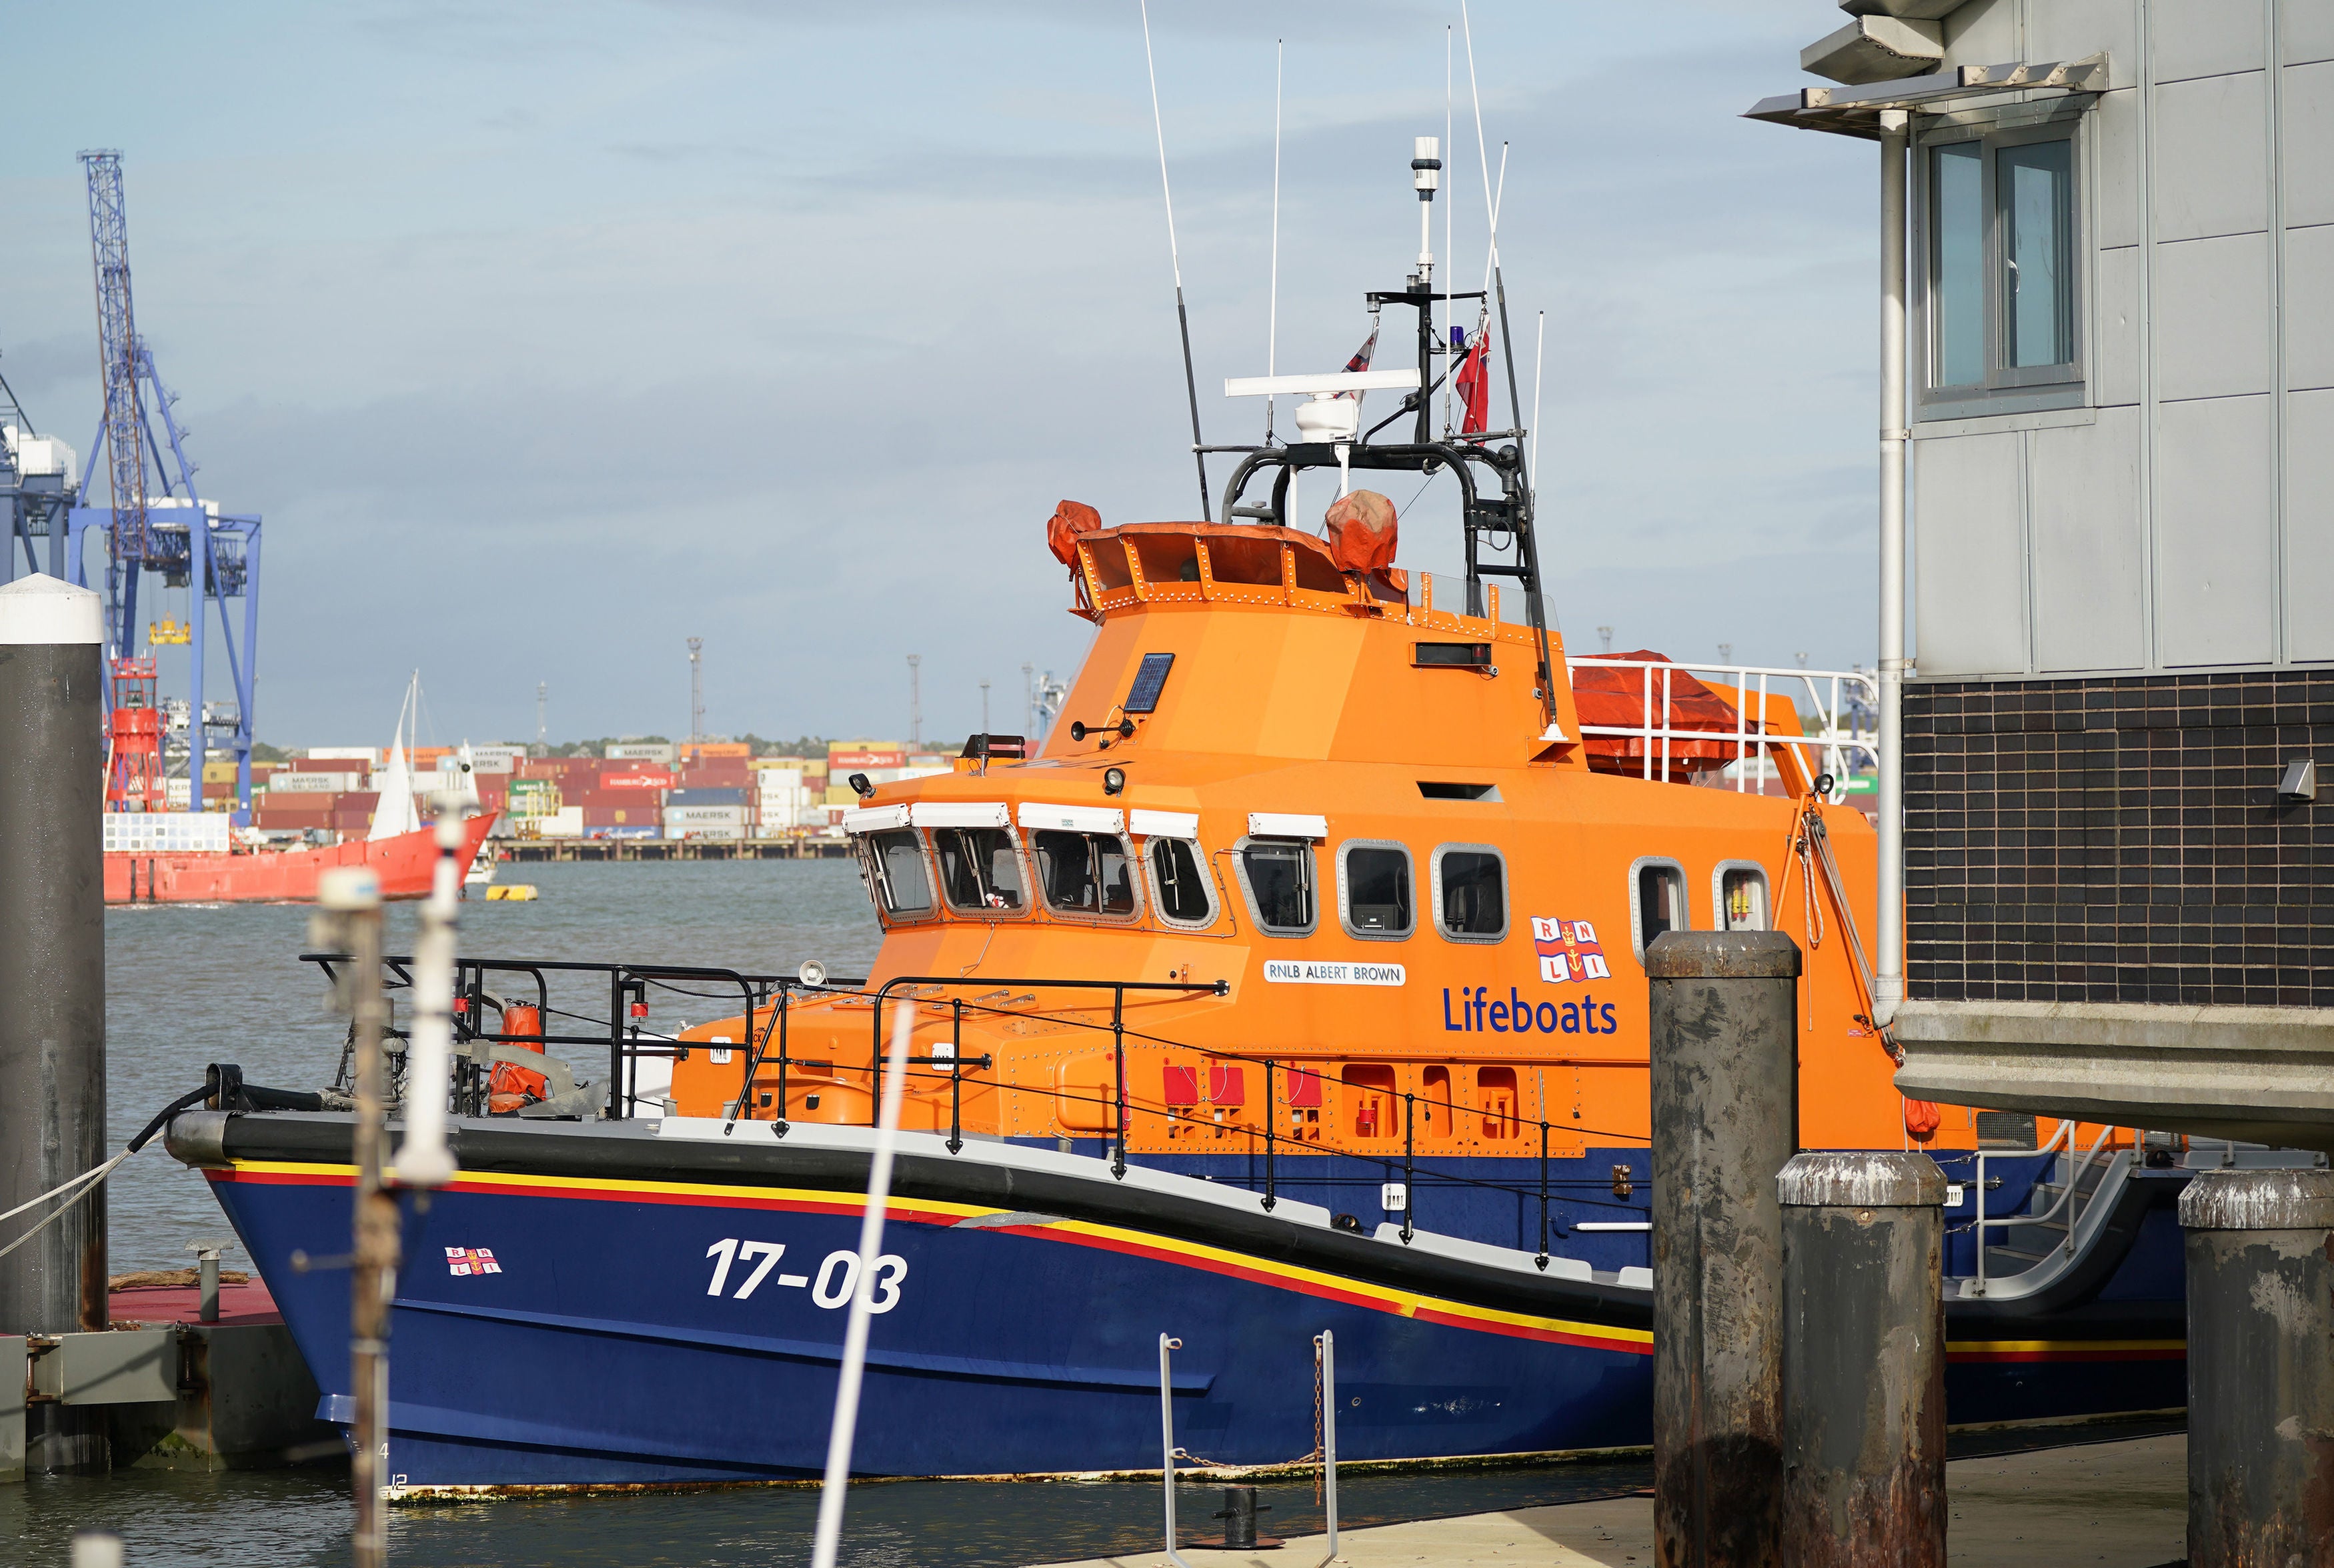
point(2107, 391)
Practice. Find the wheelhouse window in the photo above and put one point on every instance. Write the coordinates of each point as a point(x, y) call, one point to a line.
point(1470, 893)
point(1375, 891)
point(1179, 879)
point(895, 863)
point(1999, 268)
point(1742, 899)
point(1086, 874)
point(980, 870)
point(1657, 899)
point(1278, 875)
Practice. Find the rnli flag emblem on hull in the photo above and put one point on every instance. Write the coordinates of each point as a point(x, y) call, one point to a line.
point(1569, 951)
point(467, 1260)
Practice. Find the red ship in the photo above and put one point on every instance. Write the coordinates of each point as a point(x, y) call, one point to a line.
point(154, 856)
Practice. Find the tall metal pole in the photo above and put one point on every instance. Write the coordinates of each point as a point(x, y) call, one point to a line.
point(1888, 983)
point(915, 702)
point(984, 707)
point(348, 920)
point(53, 979)
point(695, 690)
point(1029, 704)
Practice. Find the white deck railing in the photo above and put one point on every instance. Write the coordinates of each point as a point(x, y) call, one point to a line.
point(1828, 696)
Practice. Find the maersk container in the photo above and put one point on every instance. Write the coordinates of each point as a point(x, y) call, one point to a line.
point(705, 816)
point(656, 751)
point(704, 797)
point(308, 784)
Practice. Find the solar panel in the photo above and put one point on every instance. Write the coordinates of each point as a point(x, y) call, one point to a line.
point(1149, 679)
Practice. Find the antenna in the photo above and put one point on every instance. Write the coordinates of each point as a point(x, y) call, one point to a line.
point(984, 707)
point(542, 690)
point(1175, 261)
point(1030, 700)
point(1539, 356)
point(1449, 250)
point(696, 690)
point(1606, 632)
point(1499, 284)
point(915, 702)
point(1272, 310)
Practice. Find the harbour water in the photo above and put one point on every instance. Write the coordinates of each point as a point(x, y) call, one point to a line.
point(192, 984)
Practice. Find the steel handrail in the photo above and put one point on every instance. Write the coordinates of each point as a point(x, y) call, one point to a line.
point(2064, 1133)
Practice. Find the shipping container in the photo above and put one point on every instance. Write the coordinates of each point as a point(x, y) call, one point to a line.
point(623, 831)
point(777, 778)
point(859, 761)
point(704, 816)
point(625, 816)
point(717, 748)
point(648, 800)
point(632, 777)
point(841, 795)
point(349, 821)
point(708, 831)
point(329, 784)
point(656, 751)
point(567, 822)
point(369, 755)
point(496, 758)
point(704, 797)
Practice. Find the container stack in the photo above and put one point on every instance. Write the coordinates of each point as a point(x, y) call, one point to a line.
point(637, 790)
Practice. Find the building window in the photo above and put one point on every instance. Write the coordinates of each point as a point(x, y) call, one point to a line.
point(1657, 900)
point(1278, 874)
point(1374, 890)
point(2001, 278)
point(1470, 893)
point(1179, 883)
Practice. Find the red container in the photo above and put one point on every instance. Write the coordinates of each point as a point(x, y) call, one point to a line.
point(716, 776)
point(623, 816)
point(353, 822)
point(329, 765)
point(623, 800)
point(635, 777)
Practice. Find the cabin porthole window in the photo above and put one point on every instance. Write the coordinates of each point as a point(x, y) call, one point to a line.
point(980, 870)
point(896, 867)
point(1277, 874)
point(1376, 896)
point(1738, 892)
point(1470, 892)
point(1182, 892)
point(1089, 874)
point(1656, 901)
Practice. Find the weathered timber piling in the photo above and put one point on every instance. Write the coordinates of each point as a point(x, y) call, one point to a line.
point(53, 982)
point(2261, 1367)
point(1725, 1116)
point(1864, 1361)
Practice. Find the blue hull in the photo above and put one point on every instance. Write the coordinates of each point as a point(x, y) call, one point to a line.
point(685, 1327)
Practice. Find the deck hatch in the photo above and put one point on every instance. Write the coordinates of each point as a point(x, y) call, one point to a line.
point(1150, 680)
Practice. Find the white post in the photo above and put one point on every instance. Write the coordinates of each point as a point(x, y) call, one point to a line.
point(1889, 983)
point(1167, 1440)
point(1328, 1345)
point(424, 1161)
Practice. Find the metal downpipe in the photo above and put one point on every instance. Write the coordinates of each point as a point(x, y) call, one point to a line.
point(1890, 981)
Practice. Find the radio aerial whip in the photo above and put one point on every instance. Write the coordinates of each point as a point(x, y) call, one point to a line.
point(1175, 261)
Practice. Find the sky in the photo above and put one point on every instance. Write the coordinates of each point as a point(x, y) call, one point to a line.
point(545, 336)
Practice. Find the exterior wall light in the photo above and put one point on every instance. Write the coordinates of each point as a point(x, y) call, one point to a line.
point(1113, 779)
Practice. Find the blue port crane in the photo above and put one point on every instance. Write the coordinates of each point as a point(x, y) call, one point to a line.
point(37, 490)
point(157, 521)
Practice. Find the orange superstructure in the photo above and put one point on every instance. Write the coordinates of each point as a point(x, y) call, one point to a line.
point(1426, 910)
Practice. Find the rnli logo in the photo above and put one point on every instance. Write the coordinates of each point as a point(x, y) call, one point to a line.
point(471, 1260)
point(1569, 951)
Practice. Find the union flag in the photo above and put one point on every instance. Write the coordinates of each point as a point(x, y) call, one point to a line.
point(1569, 951)
point(469, 1260)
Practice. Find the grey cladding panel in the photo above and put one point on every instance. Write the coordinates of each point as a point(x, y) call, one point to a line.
point(2211, 317)
point(2310, 525)
point(2084, 482)
point(2203, 37)
point(1982, 32)
point(2212, 157)
point(2305, 29)
point(2215, 594)
point(1970, 585)
point(2115, 136)
point(2309, 307)
point(2115, 335)
point(2306, 107)
point(2077, 29)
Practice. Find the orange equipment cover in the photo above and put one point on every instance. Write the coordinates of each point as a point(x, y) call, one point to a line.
point(1363, 530)
point(1607, 696)
point(1070, 519)
point(509, 1086)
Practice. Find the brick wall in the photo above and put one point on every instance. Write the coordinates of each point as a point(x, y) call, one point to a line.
point(2119, 840)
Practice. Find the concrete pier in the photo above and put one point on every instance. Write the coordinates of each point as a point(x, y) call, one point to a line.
point(1724, 1015)
point(2261, 1367)
point(52, 979)
point(1864, 1361)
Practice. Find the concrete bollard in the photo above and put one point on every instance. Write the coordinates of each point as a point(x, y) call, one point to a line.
point(1864, 1361)
point(1723, 1014)
point(53, 981)
point(2261, 1367)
